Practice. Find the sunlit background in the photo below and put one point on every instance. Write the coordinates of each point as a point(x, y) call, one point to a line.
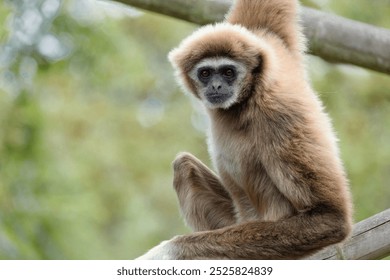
point(91, 119)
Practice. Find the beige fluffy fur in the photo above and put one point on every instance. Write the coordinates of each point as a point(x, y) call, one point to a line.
point(279, 191)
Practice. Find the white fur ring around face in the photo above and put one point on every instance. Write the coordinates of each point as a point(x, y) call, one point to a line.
point(163, 251)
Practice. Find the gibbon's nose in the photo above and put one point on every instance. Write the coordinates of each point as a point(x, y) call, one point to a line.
point(216, 85)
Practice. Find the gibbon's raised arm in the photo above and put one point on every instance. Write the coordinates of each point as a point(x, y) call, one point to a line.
point(279, 190)
point(277, 16)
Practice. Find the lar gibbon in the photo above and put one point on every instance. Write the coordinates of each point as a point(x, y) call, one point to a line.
point(279, 190)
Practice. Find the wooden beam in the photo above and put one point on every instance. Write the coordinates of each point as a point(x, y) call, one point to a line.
point(370, 240)
point(331, 37)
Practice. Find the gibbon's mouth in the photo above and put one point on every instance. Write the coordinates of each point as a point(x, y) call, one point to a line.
point(218, 98)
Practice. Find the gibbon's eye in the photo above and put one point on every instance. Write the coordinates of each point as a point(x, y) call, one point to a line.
point(205, 73)
point(228, 72)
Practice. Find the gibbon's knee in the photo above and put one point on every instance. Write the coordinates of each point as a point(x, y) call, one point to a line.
point(188, 170)
point(181, 161)
point(180, 157)
point(204, 203)
point(184, 169)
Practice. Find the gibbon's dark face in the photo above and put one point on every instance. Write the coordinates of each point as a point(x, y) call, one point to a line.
point(218, 81)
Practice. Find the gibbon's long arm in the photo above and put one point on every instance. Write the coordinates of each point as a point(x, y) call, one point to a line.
point(279, 190)
point(277, 16)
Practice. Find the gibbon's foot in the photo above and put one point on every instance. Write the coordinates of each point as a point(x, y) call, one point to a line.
point(163, 251)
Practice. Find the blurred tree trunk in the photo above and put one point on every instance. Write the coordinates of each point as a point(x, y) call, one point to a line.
point(334, 38)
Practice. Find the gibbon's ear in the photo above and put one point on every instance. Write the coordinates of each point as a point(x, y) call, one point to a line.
point(259, 68)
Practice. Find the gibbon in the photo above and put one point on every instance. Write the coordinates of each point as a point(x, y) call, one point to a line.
point(279, 190)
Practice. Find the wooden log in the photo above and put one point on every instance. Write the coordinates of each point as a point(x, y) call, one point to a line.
point(370, 240)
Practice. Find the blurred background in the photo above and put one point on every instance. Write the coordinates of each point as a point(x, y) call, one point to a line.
point(91, 119)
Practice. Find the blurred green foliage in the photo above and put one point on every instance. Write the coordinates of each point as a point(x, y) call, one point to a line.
point(86, 147)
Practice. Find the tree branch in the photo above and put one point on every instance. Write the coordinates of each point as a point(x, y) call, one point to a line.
point(342, 40)
point(331, 37)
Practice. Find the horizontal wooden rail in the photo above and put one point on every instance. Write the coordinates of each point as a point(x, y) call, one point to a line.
point(331, 37)
point(370, 240)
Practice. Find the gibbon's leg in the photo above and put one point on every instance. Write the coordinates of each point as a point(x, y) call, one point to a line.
point(204, 202)
point(290, 238)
